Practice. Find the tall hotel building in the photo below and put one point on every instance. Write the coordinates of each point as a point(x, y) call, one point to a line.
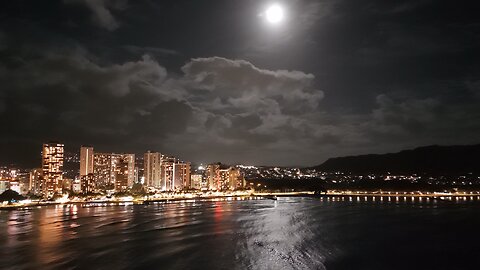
point(224, 178)
point(231, 178)
point(196, 181)
point(52, 168)
point(174, 175)
point(114, 169)
point(213, 176)
point(103, 169)
point(166, 173)
point(36, 181)
point(181, 175)
point(123, 174)
point(129, 162)
point(87, 180)
point(152, 163)
point(86, 160)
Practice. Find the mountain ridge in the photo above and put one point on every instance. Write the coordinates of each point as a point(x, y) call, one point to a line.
point(432, 159)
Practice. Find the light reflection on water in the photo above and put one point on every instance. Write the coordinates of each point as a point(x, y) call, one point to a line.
point(279, 237)
point(354, 232)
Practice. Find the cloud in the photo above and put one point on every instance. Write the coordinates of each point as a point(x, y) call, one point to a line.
point(474, 87)
point(69, 96)
point(2, 106)
point(411, 115)
point(245, 106)
point(229, 104)
point(79, 73)
point(217, 109)
point(3, 41)
point(239, 84)
point(150, 50)
point(410, 122)
point(382, 81)
point(101, 11)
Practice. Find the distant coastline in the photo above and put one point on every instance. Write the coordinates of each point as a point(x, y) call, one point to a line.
point(333, 195)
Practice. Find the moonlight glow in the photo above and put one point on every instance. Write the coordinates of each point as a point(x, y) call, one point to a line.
point(274, 14)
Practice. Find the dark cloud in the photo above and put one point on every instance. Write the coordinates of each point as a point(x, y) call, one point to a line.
point(139, 104)
point(214, 82)
point(150, 50)
point(70, 96)
point(239, 84)
point(474, 87)
point(3, 41)
point(412, 115)
point(101, 11)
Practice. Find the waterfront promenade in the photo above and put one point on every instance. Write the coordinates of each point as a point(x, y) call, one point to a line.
point(332, 195)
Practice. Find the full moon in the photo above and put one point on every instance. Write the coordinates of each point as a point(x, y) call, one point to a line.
point(274, 14)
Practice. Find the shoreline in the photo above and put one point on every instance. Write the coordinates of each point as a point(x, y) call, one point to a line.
point(332, 195)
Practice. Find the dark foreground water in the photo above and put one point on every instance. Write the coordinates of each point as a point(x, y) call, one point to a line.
point(291, 233)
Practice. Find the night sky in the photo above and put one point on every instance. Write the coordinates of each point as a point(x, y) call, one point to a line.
point(214, 81)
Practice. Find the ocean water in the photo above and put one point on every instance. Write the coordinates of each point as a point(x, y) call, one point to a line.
point(290, 233)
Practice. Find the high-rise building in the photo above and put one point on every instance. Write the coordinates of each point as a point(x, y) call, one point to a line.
point(117, 170)
point(196, 181)
point(8, 179)
point(213, 176)
point(87, 183)
point(224, 183)
point(127, 161)
point(136, 175)
point(139, 169)
point(103, 169)
point(224, 178)
point(152, 162)
point(24, 182)
point(77, 184)
point(121, 174)
point(167, 172)
point(52, 168)
point(36, 181)
point(235, 178)
point(181, 175)
point(86, 160)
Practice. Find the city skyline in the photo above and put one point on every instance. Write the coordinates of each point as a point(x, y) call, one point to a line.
point(239, 134)
point(97, 173)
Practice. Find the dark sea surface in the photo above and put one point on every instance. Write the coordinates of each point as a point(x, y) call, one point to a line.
point(290, 233)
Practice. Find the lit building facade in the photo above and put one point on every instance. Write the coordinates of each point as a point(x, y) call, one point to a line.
point(103, 169)
point(128, 161)
point(77, 185)
point(213, 176)
point(4, 185)
point(121, 175)
point(181, 175)
point(52, 168)
point(152, 162)
point(117, 170)
point(136, 175)
point(196, 181)
point(235, 178)
point(6, 177)
point(87, 183)
point(36, 181)
point(224, 178)
point(24, 182)
point(166, 173)
point(86, 160)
